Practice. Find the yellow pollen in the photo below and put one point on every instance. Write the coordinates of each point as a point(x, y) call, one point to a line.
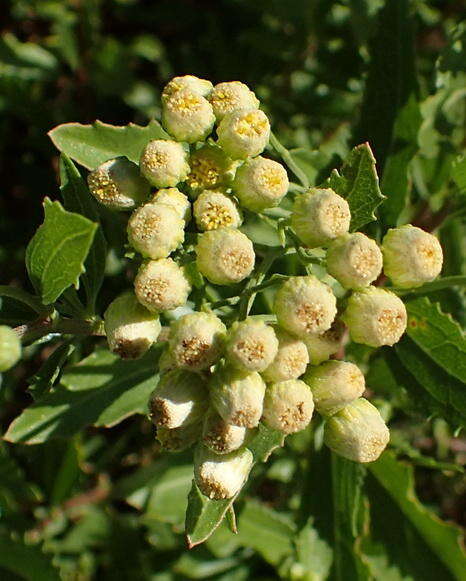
point(236, 262)
point(335, 218)
point(192, 351)
point(251, 350)
point(216, 216)
point(429, 258)
point(155, 159)
point(389, 323)
point(184, 103)
point(204, 173)
point(364, 261)
point(146, 227)
point(311, 316)
point(154, 290)
point(292, 417)
point(251, 125)
point(103, 186)
point(270, 179)
point(293, 363)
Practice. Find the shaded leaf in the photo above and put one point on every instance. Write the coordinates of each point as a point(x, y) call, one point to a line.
point(27, 561)
point(41, 382)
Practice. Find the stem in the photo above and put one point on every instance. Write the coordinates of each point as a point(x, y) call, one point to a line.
point(30, 332)
point(273, 280)
point(288, 159)
point(435, 285)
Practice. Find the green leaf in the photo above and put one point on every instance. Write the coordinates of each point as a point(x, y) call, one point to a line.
point(289, 160)
point(55, 256)
point(197, 566)
point(91, 145)
point(314, 556)
point(101, 391)
point(15, 491)
point(41, 382)
point(358, 183)
point(77, 199)
point(458, 172)
point(20, 295)
point(25, 60)
point(168, 497)
point(26, 561)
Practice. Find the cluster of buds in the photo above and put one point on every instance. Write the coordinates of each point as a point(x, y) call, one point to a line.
point(219, 379)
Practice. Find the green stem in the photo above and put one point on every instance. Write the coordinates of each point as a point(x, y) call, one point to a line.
point(289, 161)
point(30, 332)
point(435, 285)
point(273, 280)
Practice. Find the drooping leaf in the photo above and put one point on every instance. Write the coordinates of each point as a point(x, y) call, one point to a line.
point(91, 145)
point(56, 254)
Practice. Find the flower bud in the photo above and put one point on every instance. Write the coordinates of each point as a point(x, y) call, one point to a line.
point(238, 396)
point(174, 198)
point(335, 384)
point(164, 163)
point(200, 86)
point(354, 260)
point(210, 168)
point(232, 96)
point(305, 305)
point(220, 437)
point(10, 348)
point(251, 345)
point(166, 362)
point(130, 328)
point(375, 317)
point(161, 285)
point(155, 230)
point(221, 476)
point(225, 256)
point(214, 210)
point(260, 183)
point(179, 399)
point(288, 406)
point(357, 432)
point(411, 256)
point(319, 216)
point(118, 184)
point(187, 116)
point(196, 340)
point(179, 439)
point(244, 133)
point(320, 347)
point(291, 359)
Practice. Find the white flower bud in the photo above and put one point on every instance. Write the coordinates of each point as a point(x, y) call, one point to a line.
point(130, 328)
point(200, 86)
point(291, 359)
point(164, 163)
point(179, 439)
point(214, 210)
point(244, 133)
point(354, 260)
point(187, 116)
point(288, 406)
point(155, 230)
point(220, 437)
point(161, 285)
point(118, 184)
point(196, 340)
point(210, 169)
point(335, 384)
point(251, 345)
point(304, 305)
point(232, 96)
point(225, 256)
point(319, 216)
point(221, 476)
point(238, 396)
point(320, 347)
point(260, 183)
point(375, 317)
point(10, 348)
point(411, 256)
point(179, 399)
point(174, 198)
point(357, 432)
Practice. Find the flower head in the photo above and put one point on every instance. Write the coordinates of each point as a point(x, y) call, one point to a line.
point(244, 133)
point(291, 359)
point(174, 198)
point(187, 116)
point(200, 86)
point(164, 163)
point(251, 345)
point(161, 285)
point(288, 406)
point(321, 346)
point(232, 96)
point(214, 210)
point(220, 437)
point(179, 439)
point(210, 169)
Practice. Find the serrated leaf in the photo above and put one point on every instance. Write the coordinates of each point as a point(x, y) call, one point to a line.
point(106, 390)
point(56, 254)
point(91, 145)
point(26, 561)
point(358, 183)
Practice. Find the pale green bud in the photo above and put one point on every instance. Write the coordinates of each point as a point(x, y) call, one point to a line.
point(187, 116)
point(196, 340)
point(225, 256)
point(179, 399)
point(210, 169)
point(10, 348)
point(260, 183)
point(232, 96)
point(251, 345)
point(411, 257)
point(335, 384)
point(130, 328)
point(244, 133)
point(354, 260)
point(118, 184)
point(304, 305)
point(291, 359)
point(166, 362)
point(238, 396)
point(174, 198)
point(288, 406)
point(179, 439)
point(214, 210)
point(375, 317)
point(320, 347)
point(221, 476)
point(319, 216)
point(200, 86)
point(164, 163)
point(357, 432)
point(155, 230)
point(161, 285)
point(220, 437)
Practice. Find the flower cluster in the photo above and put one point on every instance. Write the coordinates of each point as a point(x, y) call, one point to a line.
point(221, 374)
